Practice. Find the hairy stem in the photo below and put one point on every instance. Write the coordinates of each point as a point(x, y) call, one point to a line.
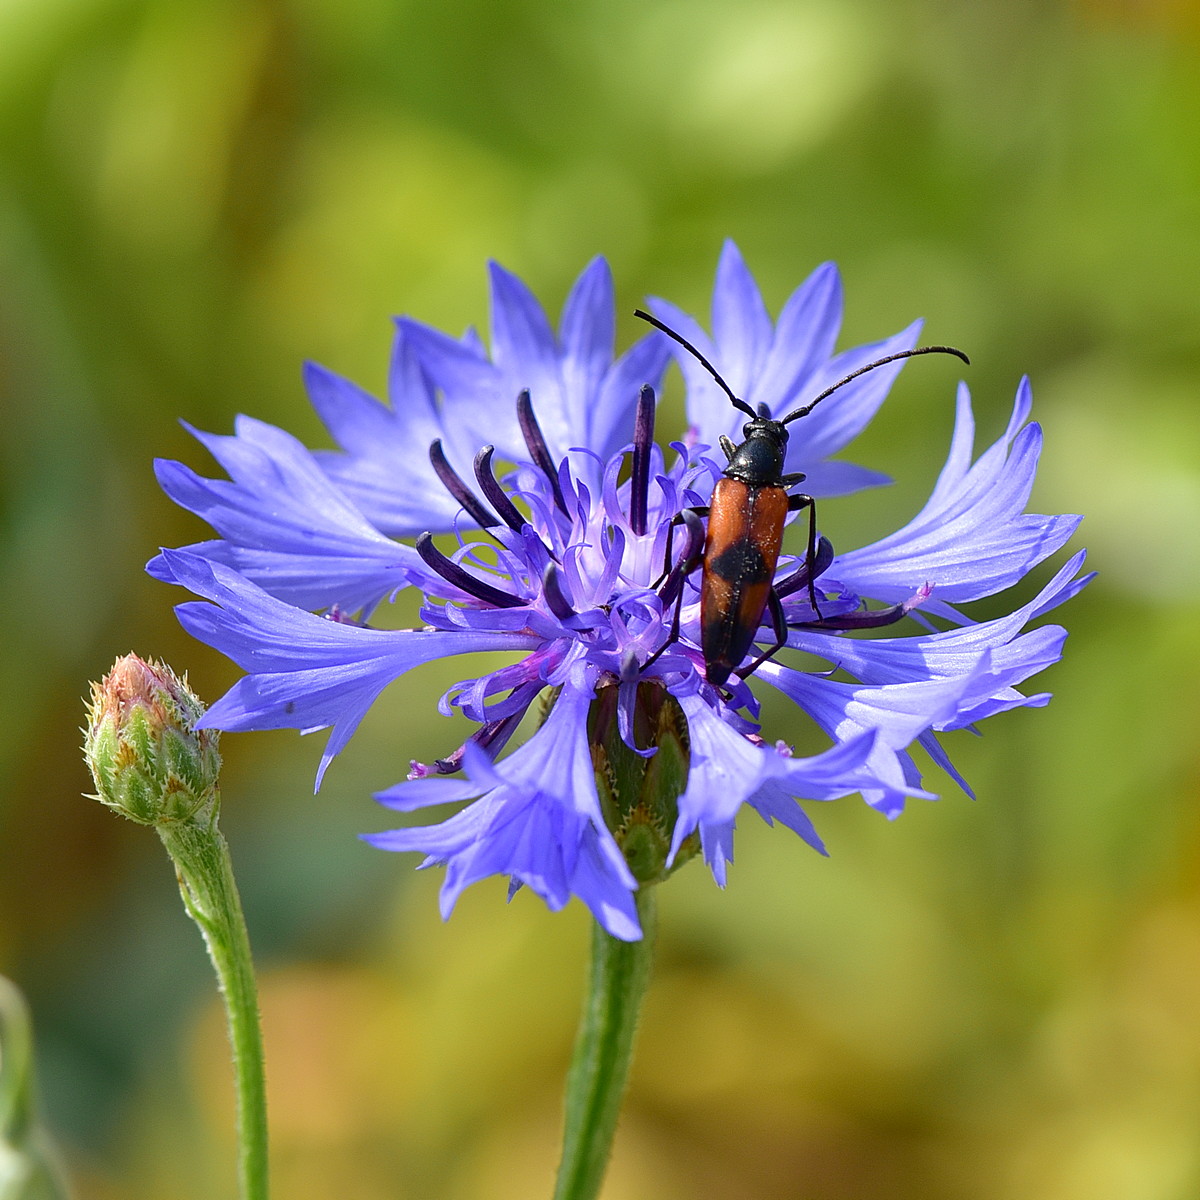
point(205, 874)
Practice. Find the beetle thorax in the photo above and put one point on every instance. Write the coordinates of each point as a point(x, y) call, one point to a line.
point(759, 459)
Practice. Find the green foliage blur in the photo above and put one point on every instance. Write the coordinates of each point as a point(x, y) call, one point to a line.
point(997, 1000)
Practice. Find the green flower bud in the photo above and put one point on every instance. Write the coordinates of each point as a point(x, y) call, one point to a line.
point(638, 796)
point(147, 758)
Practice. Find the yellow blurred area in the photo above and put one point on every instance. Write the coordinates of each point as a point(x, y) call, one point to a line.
point(996, 1000)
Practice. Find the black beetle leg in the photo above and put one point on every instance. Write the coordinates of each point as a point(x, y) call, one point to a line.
point(677, 520)
point(795, 504)
point(779, 621)
point(673, 636)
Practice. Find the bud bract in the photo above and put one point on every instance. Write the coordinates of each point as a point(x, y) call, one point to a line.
point(146, 756)
point(638, 791)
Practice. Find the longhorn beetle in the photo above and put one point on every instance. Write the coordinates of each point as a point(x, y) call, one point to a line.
point(745, 531)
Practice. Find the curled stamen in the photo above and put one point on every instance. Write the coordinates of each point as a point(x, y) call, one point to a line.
point(538, 450)
point(871, 618)
point(491, 738)
point(471, 503)
point(688, 560)
point(558, 604)
point(643, 436)
point(799, 578)
point(453, 573)
point(497, 497)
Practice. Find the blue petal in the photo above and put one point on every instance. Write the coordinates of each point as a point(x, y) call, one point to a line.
point(741, 327)
point(774, 804)
point(382, 446)
point(476, 398)
point(840, 418)
point(1014, 656)
point(805, 336)
point(784, 369)
point(709, 411)
point(414, 794)
point(831, 478)
point(610, 411)
point(306, 672)
point(588, 332)
point(285, 525)
point(973, 538)
point(896, 713)
point(727, 770)
point(526, 354)
point(538, 823)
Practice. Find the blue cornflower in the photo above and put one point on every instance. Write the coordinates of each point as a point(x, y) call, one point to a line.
point(562, 558)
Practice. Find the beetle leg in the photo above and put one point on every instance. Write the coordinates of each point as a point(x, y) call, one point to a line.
point(700, 510)
point(728, 446)
point(692, 562)
point(795, 504)
point(671, 638)
point(779, 622)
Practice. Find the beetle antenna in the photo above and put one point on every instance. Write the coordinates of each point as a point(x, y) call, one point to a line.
point(738, 404)
point(879, 362)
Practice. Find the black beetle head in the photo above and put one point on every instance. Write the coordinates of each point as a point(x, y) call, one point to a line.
point(759, 459)
point(764, 427)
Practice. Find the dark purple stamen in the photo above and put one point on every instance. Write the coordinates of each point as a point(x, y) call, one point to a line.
point(687, 562)
point(558, 604)
point(799, 577)
point(492, 737)
point(538, 450)
point(471, 503)
point(496, 495)
point(863, 618)
point(453, 573)
point(643, 436)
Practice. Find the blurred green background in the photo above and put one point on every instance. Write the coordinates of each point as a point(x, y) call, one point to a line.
point(992, 1000)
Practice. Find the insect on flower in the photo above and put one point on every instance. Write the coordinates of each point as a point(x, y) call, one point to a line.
point(745, 531)
point(561, 524)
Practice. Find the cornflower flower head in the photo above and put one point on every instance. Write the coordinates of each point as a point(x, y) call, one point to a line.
point(579, 555)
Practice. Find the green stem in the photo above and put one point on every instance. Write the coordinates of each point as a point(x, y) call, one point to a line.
point(603, 1052)
point(29, 1166)
point(210, 895)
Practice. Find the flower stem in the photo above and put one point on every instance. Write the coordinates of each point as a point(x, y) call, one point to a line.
point(620, 973)
point(205, 874)
point(29, 1166)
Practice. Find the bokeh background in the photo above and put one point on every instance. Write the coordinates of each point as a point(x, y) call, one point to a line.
point(992, 1000)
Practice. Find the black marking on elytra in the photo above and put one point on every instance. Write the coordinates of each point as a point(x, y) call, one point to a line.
point(740, 562)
